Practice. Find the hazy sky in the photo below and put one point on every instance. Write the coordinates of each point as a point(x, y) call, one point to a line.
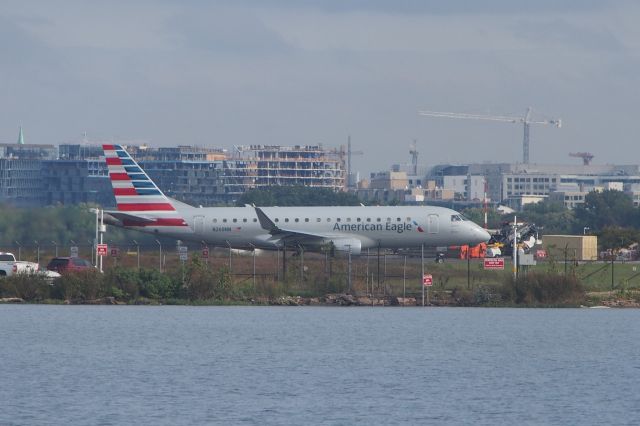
point(219, 73)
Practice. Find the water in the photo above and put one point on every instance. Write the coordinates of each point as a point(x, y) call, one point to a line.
point(271, 365)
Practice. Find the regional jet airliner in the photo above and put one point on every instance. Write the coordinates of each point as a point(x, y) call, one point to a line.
point(142, 206)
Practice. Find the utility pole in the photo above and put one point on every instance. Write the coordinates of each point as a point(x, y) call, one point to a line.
point(160, 245)
point(103, 228)
point(515, 249)
point(349, 272)
point(422, 269)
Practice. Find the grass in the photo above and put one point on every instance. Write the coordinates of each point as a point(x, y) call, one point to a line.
point(455, 279)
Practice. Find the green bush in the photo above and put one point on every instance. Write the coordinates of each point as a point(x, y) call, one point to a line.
point(545, 288)
point(122, 283)
point(155, 285)
point(25, 286)
point(80, 285)
point(204, 283)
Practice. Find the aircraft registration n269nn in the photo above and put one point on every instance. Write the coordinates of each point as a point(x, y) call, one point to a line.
point(142, 206)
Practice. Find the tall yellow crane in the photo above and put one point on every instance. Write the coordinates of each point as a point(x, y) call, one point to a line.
point(526, 120)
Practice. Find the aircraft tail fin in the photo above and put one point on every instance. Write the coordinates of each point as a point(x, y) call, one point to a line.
point(136, 194)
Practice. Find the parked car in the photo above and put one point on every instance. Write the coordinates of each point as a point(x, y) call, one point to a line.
point(10, 266)
point(63, 265)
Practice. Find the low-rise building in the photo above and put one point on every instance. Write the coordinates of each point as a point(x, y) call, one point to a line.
point(571, 247)
point(513, 183)
point(389, 180)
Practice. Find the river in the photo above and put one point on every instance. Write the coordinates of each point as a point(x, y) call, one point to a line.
point(112, 365)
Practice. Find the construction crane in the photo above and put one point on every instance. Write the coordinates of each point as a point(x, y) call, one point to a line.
point(526, 120)
point(350, 184)
point(586, 157)
point(414, 157)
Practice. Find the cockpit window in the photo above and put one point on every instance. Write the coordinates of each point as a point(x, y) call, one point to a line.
point(456, 218)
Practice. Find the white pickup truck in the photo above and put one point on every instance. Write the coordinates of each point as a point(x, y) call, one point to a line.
point(10, 266)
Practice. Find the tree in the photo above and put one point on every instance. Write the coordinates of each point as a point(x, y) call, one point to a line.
point(606, 209)
point(475, 214)
point(612, 237)
point(553, 217)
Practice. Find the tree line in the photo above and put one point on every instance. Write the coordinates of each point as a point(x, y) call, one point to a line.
point(608, 214)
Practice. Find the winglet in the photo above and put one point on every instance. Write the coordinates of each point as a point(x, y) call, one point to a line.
point(266, 223)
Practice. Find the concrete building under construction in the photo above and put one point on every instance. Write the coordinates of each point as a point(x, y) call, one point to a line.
point(299, 165)
point(32, 175)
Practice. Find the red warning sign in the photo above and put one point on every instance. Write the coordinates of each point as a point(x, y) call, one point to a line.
point(495, 263)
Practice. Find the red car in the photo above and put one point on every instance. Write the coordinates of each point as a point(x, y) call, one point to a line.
point(69, 264)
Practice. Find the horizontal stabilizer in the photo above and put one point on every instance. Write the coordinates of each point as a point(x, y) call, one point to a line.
point(128, 217)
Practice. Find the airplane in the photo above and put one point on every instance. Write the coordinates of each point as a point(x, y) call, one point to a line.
point(142, 206)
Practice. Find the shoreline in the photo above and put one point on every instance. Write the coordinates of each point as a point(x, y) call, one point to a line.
point(329, 300)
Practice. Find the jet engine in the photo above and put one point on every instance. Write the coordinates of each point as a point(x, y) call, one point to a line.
point(346, 244)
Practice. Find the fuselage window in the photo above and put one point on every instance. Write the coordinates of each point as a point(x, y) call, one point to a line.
point(318, 219)
point(358, 220)
point(368, 219)
point(277, 220)
point(328, 219)
point(297, 220)
point(388, 219)
point(286, 219)
point(378, 220)
point(338, 219)
point(348, 219)
point(215, 220)
point(224, 220)
point(306, 219)
point(235, 220)
point(255, 219)
point(408, 219)
point(398, 219)
point(244, 220)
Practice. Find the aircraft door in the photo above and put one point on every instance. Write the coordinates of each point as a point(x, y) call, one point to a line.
point(433, 224)
point(198, 224)
point(456, 223)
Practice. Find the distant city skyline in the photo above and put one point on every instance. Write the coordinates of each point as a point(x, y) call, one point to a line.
point(244, 72)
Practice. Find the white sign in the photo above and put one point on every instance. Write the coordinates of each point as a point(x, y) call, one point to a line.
point(74, 251)
point(183, 256)
point(526, 260)
point(183, 249)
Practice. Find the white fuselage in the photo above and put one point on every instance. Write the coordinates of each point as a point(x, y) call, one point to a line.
point(385, 227)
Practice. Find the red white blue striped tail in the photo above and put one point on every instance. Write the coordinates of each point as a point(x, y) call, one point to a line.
point(136, 193)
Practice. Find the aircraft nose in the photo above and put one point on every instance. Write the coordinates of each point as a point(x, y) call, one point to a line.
point(480, 235)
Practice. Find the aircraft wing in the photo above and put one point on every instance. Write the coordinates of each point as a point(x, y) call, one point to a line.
point(289, 234)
